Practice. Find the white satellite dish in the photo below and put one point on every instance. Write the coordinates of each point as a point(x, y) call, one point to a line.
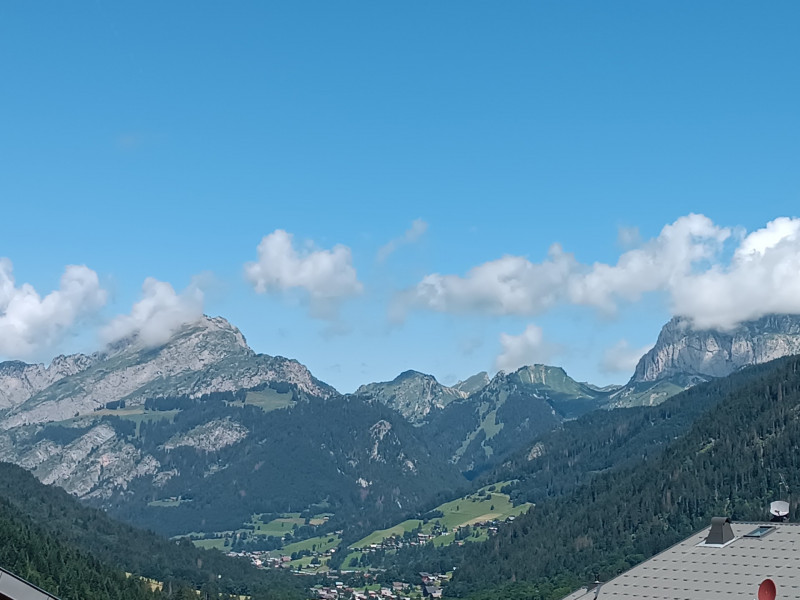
point(779, 508)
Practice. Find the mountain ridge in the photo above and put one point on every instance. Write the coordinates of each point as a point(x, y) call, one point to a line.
point(207, 356)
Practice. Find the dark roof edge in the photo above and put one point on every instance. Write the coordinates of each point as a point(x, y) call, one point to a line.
point(4, 572)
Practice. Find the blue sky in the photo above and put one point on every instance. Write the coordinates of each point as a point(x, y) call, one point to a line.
point(165, 141)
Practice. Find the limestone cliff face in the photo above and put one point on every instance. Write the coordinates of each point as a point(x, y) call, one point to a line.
point(94, 464)
point(700, 355)
point(19, 381)
point(683, 357)
point(207, 356)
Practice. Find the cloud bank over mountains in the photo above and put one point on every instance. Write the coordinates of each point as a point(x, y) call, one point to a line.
point(714, 276)
point(690, 262)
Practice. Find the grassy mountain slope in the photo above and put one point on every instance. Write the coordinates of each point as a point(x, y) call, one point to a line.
point(733, 461)
point(513, 409)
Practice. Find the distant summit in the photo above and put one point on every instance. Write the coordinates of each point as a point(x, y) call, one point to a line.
point(473, 384)
point(414, 394)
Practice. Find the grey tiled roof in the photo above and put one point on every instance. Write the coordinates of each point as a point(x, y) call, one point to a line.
point(688, 571)
point(15, 588)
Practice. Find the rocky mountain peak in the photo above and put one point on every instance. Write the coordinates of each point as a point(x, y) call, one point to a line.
point(684, 356)
point(698, 355)
point(206, 356)
point(473, 384)
point(205, 333)
point(412, 394)
point(546, 379)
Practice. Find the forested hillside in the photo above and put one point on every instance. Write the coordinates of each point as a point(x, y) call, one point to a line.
point(740, 455)
point(482, 430)
point(60, 569)
point(68, 541)
point(559, 461)
point(359, 460)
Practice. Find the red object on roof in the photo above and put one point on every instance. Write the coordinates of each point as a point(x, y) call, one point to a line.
point(767, 591)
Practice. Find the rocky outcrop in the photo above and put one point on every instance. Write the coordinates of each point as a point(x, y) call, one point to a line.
point(94, 464)
point(210, 436)
point(19, 381)
point(412, 394)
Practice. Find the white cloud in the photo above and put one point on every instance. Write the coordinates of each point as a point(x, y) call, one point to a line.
point(508, 285)
point(621, 358)
point(412, 234)
point(158, 315)
point(662, 263)
point(686, 262)
point(762, 278)
point(528, 348)
point(30, 323)
point(327, 276)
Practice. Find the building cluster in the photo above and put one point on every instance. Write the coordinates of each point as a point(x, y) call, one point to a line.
point(267, 560)
point(429, 586)
point(395, 542)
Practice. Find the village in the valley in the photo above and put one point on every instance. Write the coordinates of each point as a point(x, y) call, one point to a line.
point(357, 578)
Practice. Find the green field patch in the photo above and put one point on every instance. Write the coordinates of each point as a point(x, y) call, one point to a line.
point(479, 507)
point(211, 544)
point(277, 527)
point(444, 540)
point(490, 425)
point(349, 558)
point(268, 399)
point(376, 537)
point(305, 564)
point(137, 414)
point(321, 543)
point(120, 412)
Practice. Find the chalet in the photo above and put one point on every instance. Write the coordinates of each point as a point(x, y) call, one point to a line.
point(723, 561)
point(431, 591)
